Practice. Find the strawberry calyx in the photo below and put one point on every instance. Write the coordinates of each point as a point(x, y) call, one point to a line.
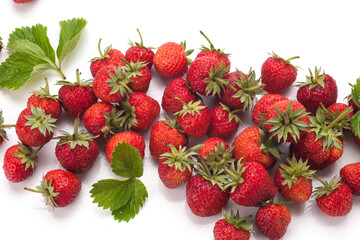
point(79, 82)
point(212, 48)
point(313, 81)
point(220, 157)
point(104, 54)
point(119, 81)
point(233, 175)
point(132, 69)
point(112, 121)
point(190, 107)
point(215, 176)
point(141, 44)
point(27, 155)
point(338, 120)
point(47, 190)
point(272, 202)
point(287, 61)
point(38, 119)
point(216, 82)
point(187, 52)
point(3, 133)
point(268, 144)
point(232, 114)
point(237, 221)
point(172, 123)
point(128, 116)
point(327, 187)
point(44, 92)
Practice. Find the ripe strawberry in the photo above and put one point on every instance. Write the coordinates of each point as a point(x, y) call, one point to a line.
point(101, 119)
point(273, 220)
point(163, 133)
point(170, 59)
point(43, 99)
point(59, 187)
point(138, 52)
point(287, 120)
point(352, 104)
point(253, 144)
point(76, 152)
point(139, 75)
point(334, 111)
point(19, 162)
point(334, 198)
point(223, 122)
point(194, 119)
point(110, 56)
point(318, 89)
point(34, 128)
point(277, 73)
point(177, 87)
point(260, 110)
point(232, 227)
point(134, 139)
point(210, 146)
point(3, 134)
point(76, 97)
point(350, 174)
point(294, 180)
point(139, 112)
point(22, 1)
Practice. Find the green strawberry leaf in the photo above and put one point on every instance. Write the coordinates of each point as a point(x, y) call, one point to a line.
point(355, 124)
point(126, 161)
point(355, 92)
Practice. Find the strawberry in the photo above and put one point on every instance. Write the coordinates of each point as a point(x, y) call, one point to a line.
point(139, 112)
point(210, 146)
point(134, 139)
point(110, 56)
point(43, 99)
point(294, 180)
point(277, 73)
point(286, 120)
point(352, 104)
point(34, 128)
point(177, 87)
point(76, 152)
point(350, 174)
point(170, 59)
point(139, 75)
point(334, 198)
point(3, 134)
point(318, 89)
point(19, 162)
point(334, 111)
point(59, 187)
point(138, 52)
point(76, 97)
point(101, 119)
point(22, 1)
point(253, 144)
point(1, 44)
point(272, 220)
point(165, 133)
point(232, 227)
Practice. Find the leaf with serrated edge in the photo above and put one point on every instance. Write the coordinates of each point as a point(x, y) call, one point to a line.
point(355, 92)
point(355, 124)
point(126, 161)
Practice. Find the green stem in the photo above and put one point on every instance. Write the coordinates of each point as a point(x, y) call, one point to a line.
point(78, 76)
point(76, 129)
point(7, 125)
point(99, 48)
point(58, 69)
point(36, 152)
point(292, 58)
point(211, 45)
point(141, 39)
point(339, 118)
point(33, 190)
point(231, 173)
point(47, 89)
point(250, 89)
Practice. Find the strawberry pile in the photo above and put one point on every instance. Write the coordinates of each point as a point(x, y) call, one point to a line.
point(250, 171)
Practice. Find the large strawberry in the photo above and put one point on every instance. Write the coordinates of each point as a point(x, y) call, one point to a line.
point(277, 73)
point(76, 97)
point(350, 174)
point(59, 187)
point(318, 89)
point(139, 75)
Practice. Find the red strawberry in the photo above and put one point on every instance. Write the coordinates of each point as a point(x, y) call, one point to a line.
point(210, 146)
point(273, 220)
point(163, 133)
point(134, 139)
point(223, 122)
point(352, 104)
point(260, 110)
point(294, 180)
point(1, 44)
point(177, 87)
point(170, 59)
point(318, 89)
point(138, 52)
point(139, 75)
point(43, 99)
point(335, 110)
point(110, 56)
point(19, 162)
point(3, 134)
point(277, 73)
point(34, 128)
point(334, 198)
point(76, 152)
point(59, 187)
point(350, 174)
point(22, 1)
point(102, 119)
point(232, 227)
point(76, 97)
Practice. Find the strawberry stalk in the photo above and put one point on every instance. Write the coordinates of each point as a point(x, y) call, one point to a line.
point(99, 48)
point(339, 118)
point(7, 125)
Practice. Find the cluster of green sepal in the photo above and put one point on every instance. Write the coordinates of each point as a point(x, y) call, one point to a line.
point(44, 92)
point(314, 80)
point(119, 81)
point(47, 190)
point(287, 61)
point(79, 82)
point(215, 81)
point(188, 52)
point(232, 114)
point(237, 221)
point(27, 155)
point(141, 44)
point(180, 158)
point(190, 107)
point(268, 144)
point(39, 120)
point(220, 157)
point(211, 48)
point(327, 187)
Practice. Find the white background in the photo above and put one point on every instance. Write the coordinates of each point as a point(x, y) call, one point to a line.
point(322, 33)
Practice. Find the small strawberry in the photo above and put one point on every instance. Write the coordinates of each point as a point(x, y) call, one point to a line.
point(177, 87)
point(350, 174)
point(138, 52)
point(134, 139)
point(43, 99)
point(232, 227)
point(22, 1)
point(19, 162)
point(139, 75)
point(170, 59)
point(3, 134)
point(34, 128)
point(272, 220)
point(277, 73)
point(318, 89)
point(334, 198)
point(165, 133)
point(76, 97)
point(59, 187)
point(76, 152)
point(110, 56)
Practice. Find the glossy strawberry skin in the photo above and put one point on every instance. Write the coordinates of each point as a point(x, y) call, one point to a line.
point(65, 183)
point(179, 88)
point(277, 75)
point(196, 125)
point(13, 167)
point(203, 198)
point(142, 54)
point(114, 60)
point(226, 231)
point(209, 146)
point(170, 60)
point(220, 126)
point(338, 203)
point(50, 105)
point(28, 136)
point(263, 104)
point(350, 174)
point(162, 135)
point(141, 83)
point(171, 177)
point(215, 54)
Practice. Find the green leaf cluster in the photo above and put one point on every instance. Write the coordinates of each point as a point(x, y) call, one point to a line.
point(355, 120)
